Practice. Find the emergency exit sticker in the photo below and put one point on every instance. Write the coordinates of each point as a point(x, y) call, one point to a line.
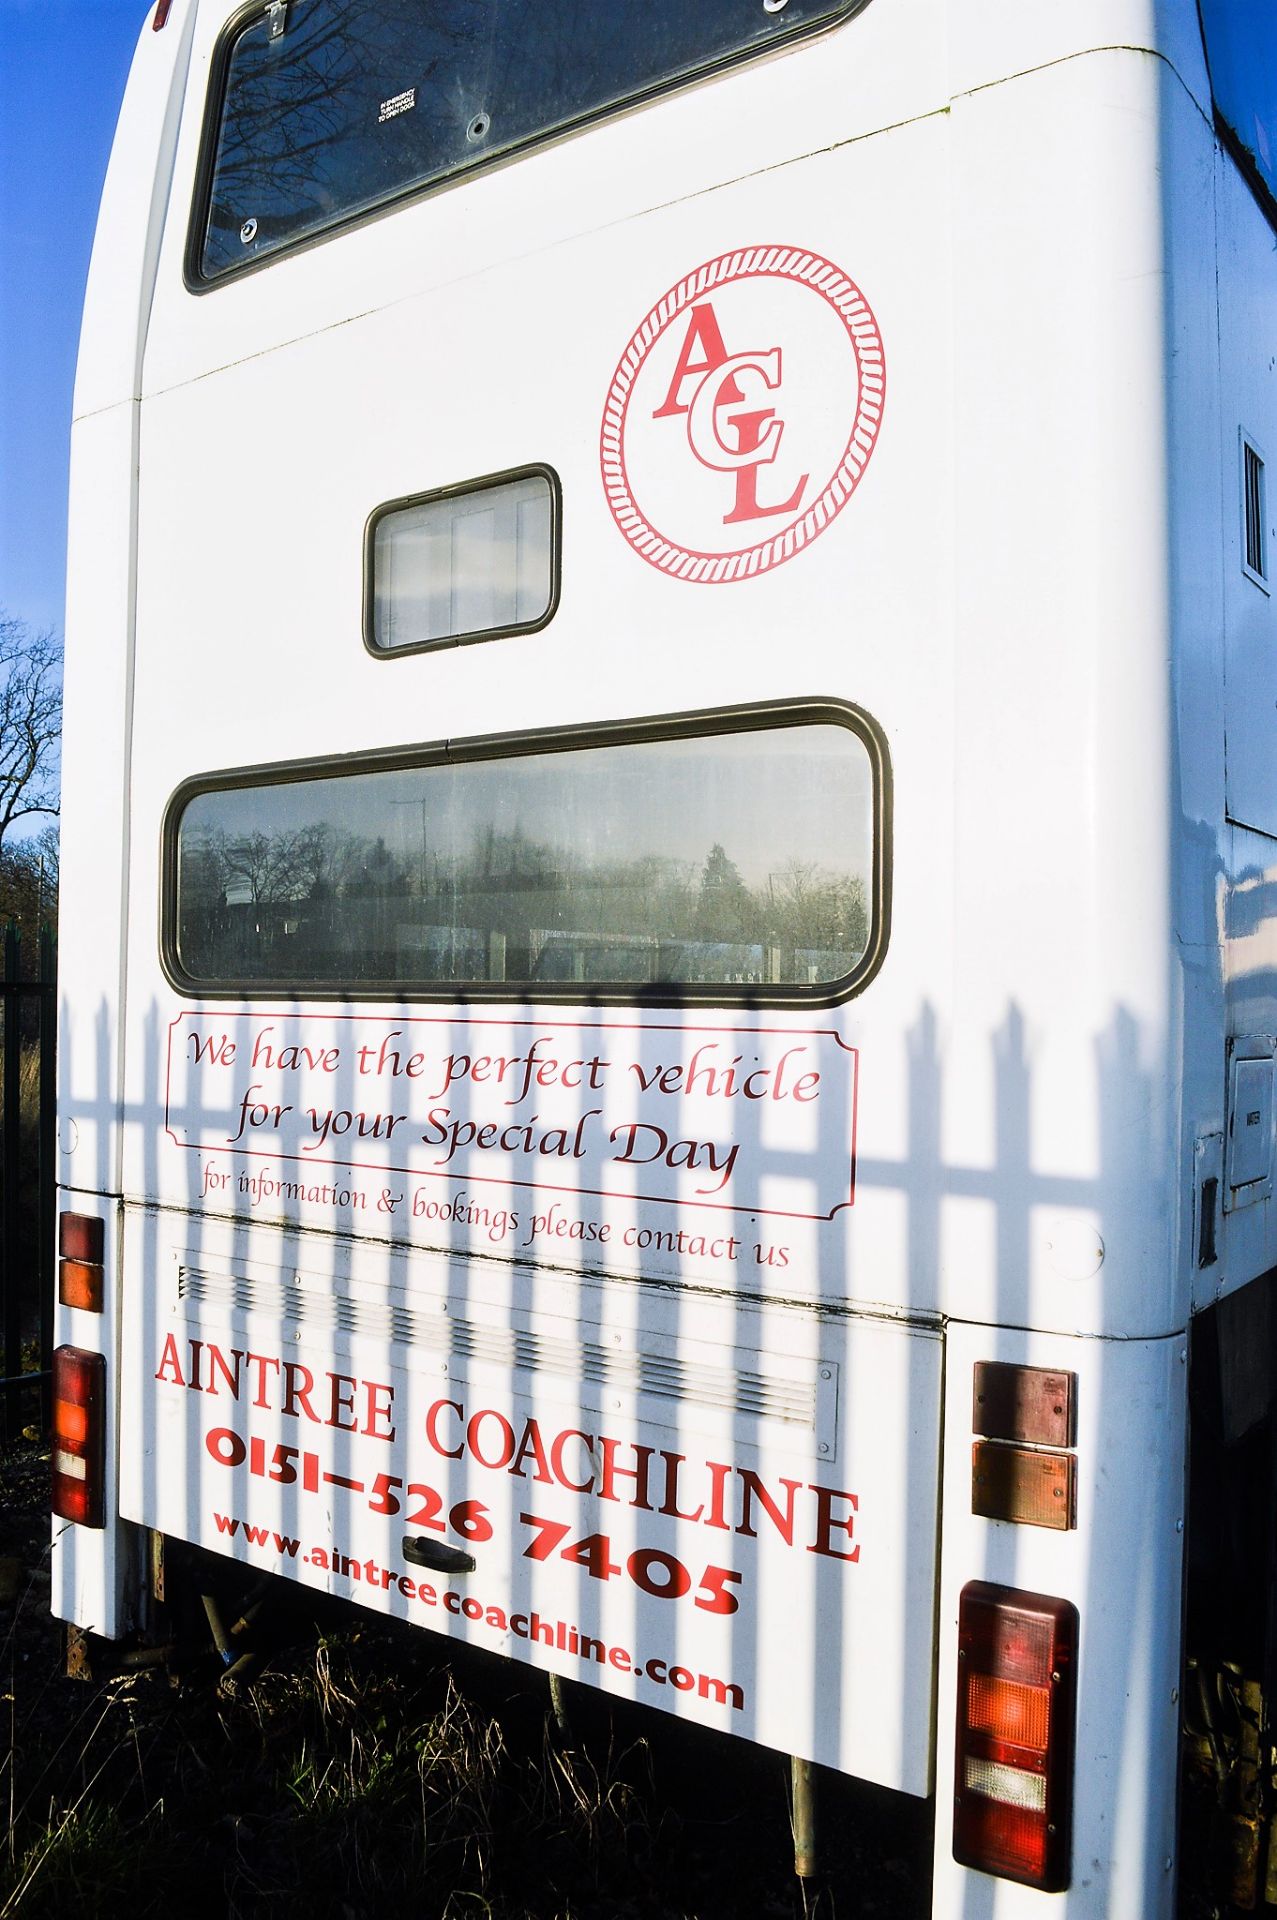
point(742, 414)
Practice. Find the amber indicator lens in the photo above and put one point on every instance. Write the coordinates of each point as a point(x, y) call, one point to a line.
point(79, 1435)
point(1018, 1484)
point(1013, 1786)
point(80, 1285)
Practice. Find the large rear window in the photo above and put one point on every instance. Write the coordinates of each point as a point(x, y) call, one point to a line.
point(326, 108)
point(730, 857)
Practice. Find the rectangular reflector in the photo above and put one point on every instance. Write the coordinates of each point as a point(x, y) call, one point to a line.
point(82, 1236)
point(79, 1436)
point(82, 1245)
point(1022, 1486)
point(1037, 1404)
point(1013, 1801)
point(80, 1285)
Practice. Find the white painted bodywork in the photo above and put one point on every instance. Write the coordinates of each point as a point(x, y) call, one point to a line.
point(1033, 591)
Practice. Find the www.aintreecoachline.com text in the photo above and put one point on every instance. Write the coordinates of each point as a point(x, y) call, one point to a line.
point(558, 1634)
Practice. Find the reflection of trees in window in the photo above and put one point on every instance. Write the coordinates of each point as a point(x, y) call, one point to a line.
point(811, 907)
point(321, 902)
point(302, 141)
point(723, 907)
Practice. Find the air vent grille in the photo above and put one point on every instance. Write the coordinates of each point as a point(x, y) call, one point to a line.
point(760, 1396)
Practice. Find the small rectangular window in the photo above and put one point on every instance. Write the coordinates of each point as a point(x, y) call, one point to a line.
point(729, 857)
point(1254, 510)
point(463, 564)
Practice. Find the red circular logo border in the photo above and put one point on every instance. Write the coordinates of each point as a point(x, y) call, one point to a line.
point(842, 293)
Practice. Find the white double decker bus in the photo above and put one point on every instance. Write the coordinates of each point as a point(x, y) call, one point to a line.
point(669, 973)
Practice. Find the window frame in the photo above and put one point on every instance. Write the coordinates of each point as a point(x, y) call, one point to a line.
point(756, 718)
point(536, 470)
point(198, 282)
point(1247, 444)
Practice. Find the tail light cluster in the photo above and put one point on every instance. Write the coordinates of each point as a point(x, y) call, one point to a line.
point(1013, 1787)
point(79, 1435)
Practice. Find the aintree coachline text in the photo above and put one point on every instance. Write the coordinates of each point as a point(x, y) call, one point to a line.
point(709, 1493)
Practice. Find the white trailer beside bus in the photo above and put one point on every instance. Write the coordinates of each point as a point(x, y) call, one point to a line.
point(668, 974)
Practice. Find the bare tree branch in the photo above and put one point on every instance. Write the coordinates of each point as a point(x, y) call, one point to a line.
point(30, 722)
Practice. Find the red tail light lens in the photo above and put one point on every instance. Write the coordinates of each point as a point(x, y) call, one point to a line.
point(79, 1435)
point(161, 14)
point(1013, 1788)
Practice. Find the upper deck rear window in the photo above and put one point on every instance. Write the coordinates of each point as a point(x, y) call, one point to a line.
point(329, 107)
point(1241, 46)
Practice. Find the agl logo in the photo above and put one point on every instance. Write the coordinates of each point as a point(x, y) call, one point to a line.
point(742, 414)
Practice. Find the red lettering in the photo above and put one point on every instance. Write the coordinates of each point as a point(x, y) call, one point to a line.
point(752, 1488)
point(296, 1396)
point(506, 1431)
point(827, 1522)
point(376, 1411)
point(611, 1473)
point(556, 1460)
point(747, 504)
point(261, 1361)
point(169, 1359)
point(340, 1402)
point(703, 333)
point(530, 1444)
point(673, 1461)
point(432, 1428)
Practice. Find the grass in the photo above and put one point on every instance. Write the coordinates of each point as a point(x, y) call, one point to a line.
point(370, 1768)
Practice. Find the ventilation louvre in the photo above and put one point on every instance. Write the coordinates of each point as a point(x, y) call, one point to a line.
point(738, 1391)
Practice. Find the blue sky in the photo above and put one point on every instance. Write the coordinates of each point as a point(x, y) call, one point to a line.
point(63, 65)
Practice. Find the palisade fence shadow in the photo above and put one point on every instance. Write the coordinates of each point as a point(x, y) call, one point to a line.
point(28, 999)
point(761, 1649)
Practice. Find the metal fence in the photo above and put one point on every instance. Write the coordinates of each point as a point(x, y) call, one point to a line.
point(28, 1000)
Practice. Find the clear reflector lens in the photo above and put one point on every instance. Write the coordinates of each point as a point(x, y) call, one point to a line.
point(1011, 1785)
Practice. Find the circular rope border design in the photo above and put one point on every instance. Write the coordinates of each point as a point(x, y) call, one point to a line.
point(842, 293)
